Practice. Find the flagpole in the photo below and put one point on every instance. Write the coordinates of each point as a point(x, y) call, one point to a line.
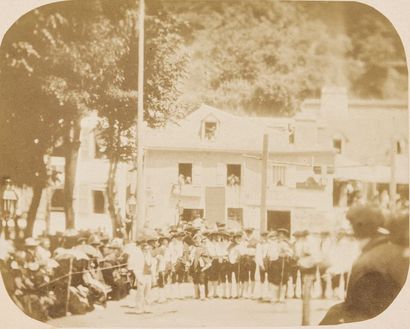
point(139, 220)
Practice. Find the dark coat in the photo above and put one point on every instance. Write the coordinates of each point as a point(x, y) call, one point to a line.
point(376, 278)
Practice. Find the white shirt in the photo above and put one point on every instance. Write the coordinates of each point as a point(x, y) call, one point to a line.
point(261, 252)
point(176, 250)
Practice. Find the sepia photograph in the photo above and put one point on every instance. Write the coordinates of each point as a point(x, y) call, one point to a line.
point(203, 163)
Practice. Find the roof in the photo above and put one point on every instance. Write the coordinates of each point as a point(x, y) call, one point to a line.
point(368, 126)
point(369, 132)
point(236, 133)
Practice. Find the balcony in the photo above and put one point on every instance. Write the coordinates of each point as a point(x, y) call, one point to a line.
point(298, 197)
point(187, 190)
point(233, 195)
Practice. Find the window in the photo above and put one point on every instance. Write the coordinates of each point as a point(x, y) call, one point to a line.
point(236, 215)
point(58, 151)
point(190, 214)
point(185, 173)
point(337, 145)
point(400, 146)
point(279, 175)
point(57, 200)
point(99, 147)
point(233, 175)
point(291, 132)
point(99, 202)
point(210, 130)
point(57, 175)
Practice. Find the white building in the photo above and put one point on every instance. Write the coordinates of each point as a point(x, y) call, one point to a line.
point(210, 162)
point(90, 201)
point(364, 134)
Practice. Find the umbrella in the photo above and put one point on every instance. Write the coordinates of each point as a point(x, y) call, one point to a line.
point(71, 254)
point(6, 247)
point(89, 250)
point(51, 263)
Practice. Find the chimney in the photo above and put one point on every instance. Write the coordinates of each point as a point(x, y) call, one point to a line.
point(334, 101)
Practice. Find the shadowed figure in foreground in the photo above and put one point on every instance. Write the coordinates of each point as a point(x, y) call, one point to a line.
point(380, 272)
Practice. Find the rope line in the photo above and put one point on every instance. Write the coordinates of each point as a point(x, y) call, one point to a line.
point(80, 272)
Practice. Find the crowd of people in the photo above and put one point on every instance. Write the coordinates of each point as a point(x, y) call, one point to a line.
point(77, 271)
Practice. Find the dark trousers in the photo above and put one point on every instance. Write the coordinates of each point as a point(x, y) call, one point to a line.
point(247, 269)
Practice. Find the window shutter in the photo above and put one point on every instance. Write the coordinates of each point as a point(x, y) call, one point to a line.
point(243, 174)
point(221, 174)
point(84, 200)
point(197, 173)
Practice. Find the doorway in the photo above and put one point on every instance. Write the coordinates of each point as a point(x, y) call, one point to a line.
point(278, 219)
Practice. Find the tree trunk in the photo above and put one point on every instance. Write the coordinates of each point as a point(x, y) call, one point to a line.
point(32, 212)
point(112, 197)
point(72, 146)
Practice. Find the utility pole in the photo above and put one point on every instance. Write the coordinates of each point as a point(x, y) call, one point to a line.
point(264, 176)
point(139, 220)
point(393, 179)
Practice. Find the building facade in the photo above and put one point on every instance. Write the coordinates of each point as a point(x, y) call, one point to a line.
point(370, 138)
point(210, 163)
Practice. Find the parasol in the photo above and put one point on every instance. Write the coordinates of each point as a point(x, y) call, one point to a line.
point(89, 250)
point(71, 254)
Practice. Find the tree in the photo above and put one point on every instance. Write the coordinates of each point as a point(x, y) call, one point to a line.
point(83, 56)
point(164, 68)
point(24, 138)
point(263, 57)
point(57, 55)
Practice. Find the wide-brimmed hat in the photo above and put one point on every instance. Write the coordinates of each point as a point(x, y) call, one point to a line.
point(237, 234)
point(223, 233)
point(163, 237)
point(284, 231)
point(116, 243)
point(366, 220)
point(70, 233)
point(94, 240)
point(272, 234)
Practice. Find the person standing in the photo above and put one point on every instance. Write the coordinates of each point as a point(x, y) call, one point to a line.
point(308, 258)
point(249, 264)
point(272, 255)
point(143, 275)
point(285, 254)
point(176, 250)
point(263, 263)
point(225, 273)
point(199, 263)
point(130, 213)
point(234, 255)
point(379, 273)
point(163, 269)
point(213, 270)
